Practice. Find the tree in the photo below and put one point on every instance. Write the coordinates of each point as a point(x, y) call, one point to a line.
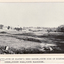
point(8, 27)
point(1, 26)
point(60, 28)
point(16, 28)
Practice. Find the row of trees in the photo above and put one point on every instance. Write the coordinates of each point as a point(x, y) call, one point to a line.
point(58, 29)
point(9, 27)
point(1, 26)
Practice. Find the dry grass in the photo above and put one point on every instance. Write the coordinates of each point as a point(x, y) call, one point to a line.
point(25, 43)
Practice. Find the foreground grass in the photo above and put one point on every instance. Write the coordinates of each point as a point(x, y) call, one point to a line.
point(30, 50)
point(17, 46)
point(31, 43)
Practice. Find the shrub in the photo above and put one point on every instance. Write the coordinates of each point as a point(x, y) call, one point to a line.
point(16, 28)
point(60, 28)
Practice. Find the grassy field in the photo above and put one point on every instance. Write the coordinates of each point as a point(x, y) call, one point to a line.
point(20, 42)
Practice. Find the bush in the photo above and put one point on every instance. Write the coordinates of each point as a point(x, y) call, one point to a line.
point(16, 28)
point(51, 30)
point(60, 28)
point(8, 27)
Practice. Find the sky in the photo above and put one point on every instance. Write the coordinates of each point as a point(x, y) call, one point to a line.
point(32, 14)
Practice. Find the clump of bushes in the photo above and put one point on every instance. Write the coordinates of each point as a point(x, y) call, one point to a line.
point(18, 29)
point(60, 28)
point(51, 30)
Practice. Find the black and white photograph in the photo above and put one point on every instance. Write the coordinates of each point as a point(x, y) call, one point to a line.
point(31, 28)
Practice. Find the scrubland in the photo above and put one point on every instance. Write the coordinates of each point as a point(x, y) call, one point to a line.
point(31, 42)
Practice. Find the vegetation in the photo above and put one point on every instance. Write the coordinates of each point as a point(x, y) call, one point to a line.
point(60, 28)
point(16, 28)
point(8, 27)
point(33, 40)
point(1, 26)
